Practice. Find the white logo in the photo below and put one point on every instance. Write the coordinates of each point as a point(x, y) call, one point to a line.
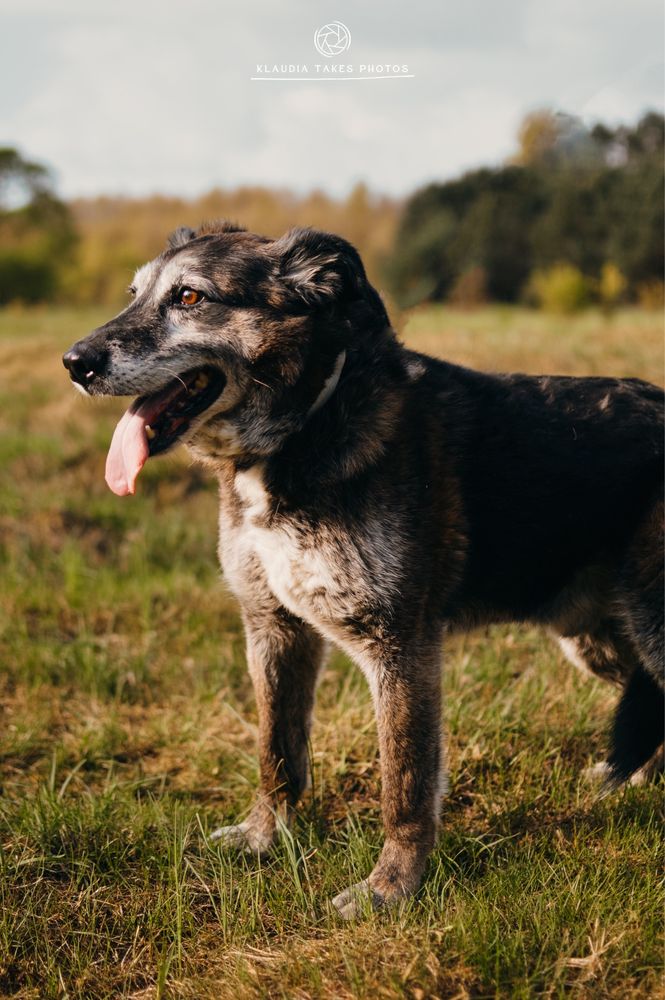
point(332, 39)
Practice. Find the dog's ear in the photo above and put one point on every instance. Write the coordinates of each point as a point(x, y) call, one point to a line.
point(217, 227)
point(317, 268)
point(179, 237)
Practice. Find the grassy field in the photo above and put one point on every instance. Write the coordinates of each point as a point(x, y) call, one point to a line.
point(128, 731)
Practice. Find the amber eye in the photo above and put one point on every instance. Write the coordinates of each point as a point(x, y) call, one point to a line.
point(188, 297)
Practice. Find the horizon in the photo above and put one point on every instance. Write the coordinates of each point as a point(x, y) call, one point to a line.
point(302, 195)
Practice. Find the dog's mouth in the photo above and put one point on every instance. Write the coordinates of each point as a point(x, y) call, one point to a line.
point(154, 423)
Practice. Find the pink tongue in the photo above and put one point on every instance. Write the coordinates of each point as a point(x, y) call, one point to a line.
point(127, 454)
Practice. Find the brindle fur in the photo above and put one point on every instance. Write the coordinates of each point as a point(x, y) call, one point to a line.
point(421, 497)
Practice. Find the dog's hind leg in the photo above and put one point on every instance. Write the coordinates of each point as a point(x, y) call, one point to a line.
point(284, 656)
point(639, 724)
point(637, 731)
point(407, 698)
point(642, 583)
point(629, 648)
point(609, 654)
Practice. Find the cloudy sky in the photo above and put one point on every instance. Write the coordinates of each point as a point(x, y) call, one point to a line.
point(137, 96)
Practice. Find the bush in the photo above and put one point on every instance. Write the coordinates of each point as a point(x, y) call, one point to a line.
point(561, 289)
point(23, 279)
point(611, 286)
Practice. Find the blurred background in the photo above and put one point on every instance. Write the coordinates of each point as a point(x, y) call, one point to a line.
point(521, 161)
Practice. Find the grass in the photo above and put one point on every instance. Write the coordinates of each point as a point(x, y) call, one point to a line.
point(128, 731)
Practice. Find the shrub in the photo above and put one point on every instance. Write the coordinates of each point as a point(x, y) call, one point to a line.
point(25, 279)
point(561, 289)
point(611, 286)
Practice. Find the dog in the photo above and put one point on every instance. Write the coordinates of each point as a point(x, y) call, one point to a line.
point(378, 498)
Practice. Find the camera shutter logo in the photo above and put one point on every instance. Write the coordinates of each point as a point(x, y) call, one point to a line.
point(332, 39)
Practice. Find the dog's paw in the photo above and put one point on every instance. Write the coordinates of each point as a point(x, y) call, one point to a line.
point(244, 837)
point(598, 773)
point(602, 776)
point(358, 901)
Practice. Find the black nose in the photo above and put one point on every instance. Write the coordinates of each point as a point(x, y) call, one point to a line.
point(84, 362)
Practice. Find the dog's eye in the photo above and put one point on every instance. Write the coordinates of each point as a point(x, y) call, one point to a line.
point(188, 297)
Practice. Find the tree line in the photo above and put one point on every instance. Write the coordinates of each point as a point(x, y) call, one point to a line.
point(578, 208)
point(576, 215)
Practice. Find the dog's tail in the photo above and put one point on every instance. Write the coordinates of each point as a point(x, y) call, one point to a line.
point(638, 729)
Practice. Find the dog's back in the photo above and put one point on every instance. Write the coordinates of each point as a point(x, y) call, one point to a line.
point(555, 474)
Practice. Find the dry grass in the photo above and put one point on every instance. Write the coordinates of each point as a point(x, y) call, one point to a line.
point(128, 730)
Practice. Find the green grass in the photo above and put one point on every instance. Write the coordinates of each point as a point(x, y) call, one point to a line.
point(128, 732)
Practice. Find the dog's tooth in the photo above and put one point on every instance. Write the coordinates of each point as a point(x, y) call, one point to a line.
point(149, 433)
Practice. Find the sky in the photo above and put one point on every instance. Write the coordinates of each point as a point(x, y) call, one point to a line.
point(135, 97)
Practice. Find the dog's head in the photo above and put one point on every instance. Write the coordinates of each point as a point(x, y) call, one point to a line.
point(231, 341)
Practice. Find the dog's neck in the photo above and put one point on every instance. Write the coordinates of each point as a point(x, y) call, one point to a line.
point(344, 430)
point(348, 426)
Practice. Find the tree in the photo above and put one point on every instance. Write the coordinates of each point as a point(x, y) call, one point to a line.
point(483, 220)
point(537, 138)
point(551, 140)
point(37, 235)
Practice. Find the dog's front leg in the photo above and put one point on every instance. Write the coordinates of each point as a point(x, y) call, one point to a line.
point(408, 709)
point(284, 657)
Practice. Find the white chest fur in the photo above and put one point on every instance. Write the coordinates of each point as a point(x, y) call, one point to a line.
point(325, 576)
point(308, 575)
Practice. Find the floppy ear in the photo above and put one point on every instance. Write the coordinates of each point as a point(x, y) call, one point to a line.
point(318, 268)
point(179, 237)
